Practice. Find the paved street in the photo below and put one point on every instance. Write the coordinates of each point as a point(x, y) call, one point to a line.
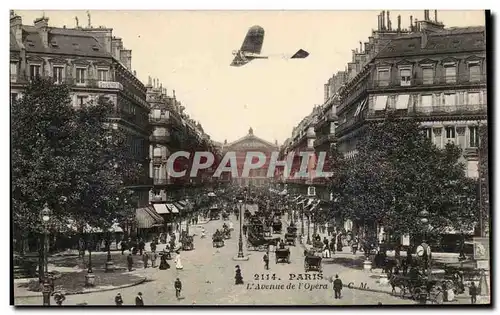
point(208, 278)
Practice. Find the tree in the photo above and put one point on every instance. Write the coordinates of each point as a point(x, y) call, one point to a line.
point(72, 159)
point(396, 174)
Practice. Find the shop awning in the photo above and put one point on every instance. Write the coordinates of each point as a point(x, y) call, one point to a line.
point(172, 208)
point(147, 218)
point(182, 203)
point(179, 206)
point(309, 202)
point(161, 208)
point(296, 199)
point(301, 201)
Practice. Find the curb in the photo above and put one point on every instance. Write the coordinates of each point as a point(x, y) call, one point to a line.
point(90, 291)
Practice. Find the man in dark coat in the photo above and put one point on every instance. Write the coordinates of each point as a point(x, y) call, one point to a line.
point(266, 261)
point(337, 287)
point(130, 262)
point(473, 293)
point(118, 300)
point(138, 299)
point(178, 288)
point(141, 245)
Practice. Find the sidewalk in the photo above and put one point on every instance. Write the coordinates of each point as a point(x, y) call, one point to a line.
point(349, 269)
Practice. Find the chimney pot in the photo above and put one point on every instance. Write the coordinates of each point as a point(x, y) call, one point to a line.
point(399, 23)
point(411, 23)
point(389, 27)
point(436, 16)
point(383, 20)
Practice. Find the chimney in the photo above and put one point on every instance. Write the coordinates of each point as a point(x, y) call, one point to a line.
point(135, 73)
point(16, 27)
point(417, 26)
point(326, 90)
point(126, 58)
point(225, 141)
point(116, 46)
point(104, 36)
point(379, 17)
point(424, 39)
point(276, 142)
point(389, 26)
point(411, 23)
point(173, 91)
point(436, 16)
point(367, 47)
point(149, 81)
point(426, 15)
point(383, 20)
point(399, 23)
point(360, 47)
point(42, 26)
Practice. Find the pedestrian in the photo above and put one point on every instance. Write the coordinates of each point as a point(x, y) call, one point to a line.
point(178, 261)
point(153, 246)
point(59, 298)
point(145, 258)
point(238, 278)
point(473, 293)
point(154, 257)
point(118, 300)
point(138, 300)
point(141, 245)
point(130, 261)
point(81, 248)
point(337, 287)
point(266, 261)
point(178, 288)
point(123, 246)
point(163, 261)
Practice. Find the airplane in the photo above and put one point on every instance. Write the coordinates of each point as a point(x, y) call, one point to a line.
point(252, 46)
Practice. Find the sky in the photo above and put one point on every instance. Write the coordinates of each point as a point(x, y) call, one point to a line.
point(190, 52)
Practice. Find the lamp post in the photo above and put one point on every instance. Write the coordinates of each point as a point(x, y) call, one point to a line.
point(188, 217)
point(241, 256)
point(426, 249)
point(46, 289)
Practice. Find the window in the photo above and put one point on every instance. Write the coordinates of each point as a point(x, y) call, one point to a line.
point(333, 125)
point(450, 132)
point(81, 100)
point(473, 98)
point(474, 73)
point(427, 132)
point(473, 137)
point(380, 102)
point(156, 173)
point(383, 77)
point(13, 71)
point(57, 74)
point(426, 100)
point(405, 75)
point(13, 97)
point(35, 71)
point(449, 99)
point(80, 75)
point(428, 75)
point(450, 74)
point(102, 75)
point(402, 101)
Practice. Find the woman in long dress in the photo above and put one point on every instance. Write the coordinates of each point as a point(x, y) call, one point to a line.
point(178, 262)
point(163, 262)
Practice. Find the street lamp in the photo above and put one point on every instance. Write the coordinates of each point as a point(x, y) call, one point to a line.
point(241, 256)
point(188, 217)
point(425, 247)
point(46, 289)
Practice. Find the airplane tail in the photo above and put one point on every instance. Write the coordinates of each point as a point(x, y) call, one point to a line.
point(300, 54)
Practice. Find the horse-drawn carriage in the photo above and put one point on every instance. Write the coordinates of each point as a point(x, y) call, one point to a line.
point(217, 240)
point(187, 242)
point(416, 286)
point(312, 262)
point(258, 242)
point(215, 213)
point(291, 235)
point(282, 255)
point(226, 232)
point(277, 225)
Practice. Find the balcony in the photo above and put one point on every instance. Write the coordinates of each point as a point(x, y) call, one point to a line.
point(163, 120)
point(157, 160)
point(160, 181)
point(324, 139)
point(442, 81)
point(84, 83)
point(449, 110)
point(159, 139)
